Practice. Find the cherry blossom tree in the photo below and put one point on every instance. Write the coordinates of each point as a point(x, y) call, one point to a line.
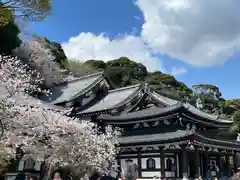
point(42, 59)
point(44, 132)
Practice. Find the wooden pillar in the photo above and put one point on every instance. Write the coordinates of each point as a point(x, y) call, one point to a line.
point(227, 165)
point(206, 157)
point(235, 161)
point(175, 165)
point(119, 165)
point(184, 163)
point(218, 164)
point(198, 168)
point(139, 163)
point(162, 159)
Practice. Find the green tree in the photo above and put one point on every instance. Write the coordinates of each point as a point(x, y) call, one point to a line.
point(236, 122)
point(209, 94)
point(25, 9)
point(234, 103)
point(96, 64)
point(168, 85)
point(225, 108)
point(9, 39)
point(79, 69)
point(123, 72)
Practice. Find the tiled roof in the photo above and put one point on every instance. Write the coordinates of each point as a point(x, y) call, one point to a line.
point(165, 100)
point(72, 89)
point(142, 114)
point(202, 138)
point(170, 102)
point(154, 137)
point(113, 99)
point(155, 112)
point(205, 115)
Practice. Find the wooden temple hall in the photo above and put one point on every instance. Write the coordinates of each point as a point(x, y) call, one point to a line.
point(164, 137)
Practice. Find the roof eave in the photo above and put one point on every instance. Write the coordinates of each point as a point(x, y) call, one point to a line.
point(114, 108)
point(85, 90)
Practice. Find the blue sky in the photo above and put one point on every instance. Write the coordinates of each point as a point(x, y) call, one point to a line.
point(190, 40)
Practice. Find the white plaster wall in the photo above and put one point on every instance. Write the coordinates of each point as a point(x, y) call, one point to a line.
point(169, 174)
point(148, 174)
point(144, 162)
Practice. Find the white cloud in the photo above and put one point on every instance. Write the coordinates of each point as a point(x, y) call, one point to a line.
point(176, 71)
point(87, 46)
point(198, 32)
point(137, 18)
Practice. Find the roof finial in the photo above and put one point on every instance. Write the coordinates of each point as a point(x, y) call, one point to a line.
point(146, 87)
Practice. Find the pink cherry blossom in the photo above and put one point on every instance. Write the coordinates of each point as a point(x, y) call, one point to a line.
point(44, 131)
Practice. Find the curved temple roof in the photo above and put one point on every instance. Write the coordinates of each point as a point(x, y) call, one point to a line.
point(153, 137)
point(191, 108)
point(150, 113)
point(116, 98)
point(113, 99)
point(142, 114)
point(69, 91)
point(180, 136)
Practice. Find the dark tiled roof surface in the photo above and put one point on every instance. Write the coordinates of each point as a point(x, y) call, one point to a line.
point(206, 138)
point(154, 137)
point(63, 93)
point(161, 111)
point(191, 108)
point(167, 101)
point(142, 114)
point(205, 115)
point(113, 99)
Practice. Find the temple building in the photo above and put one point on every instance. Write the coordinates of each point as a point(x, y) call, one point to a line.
point(163, 136)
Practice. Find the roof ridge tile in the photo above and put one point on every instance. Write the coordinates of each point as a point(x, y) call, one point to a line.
point(124, 88)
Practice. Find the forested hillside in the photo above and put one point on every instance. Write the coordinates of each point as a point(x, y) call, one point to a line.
point(121, 72)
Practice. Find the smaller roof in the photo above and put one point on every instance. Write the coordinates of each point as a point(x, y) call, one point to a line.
point(113, 99)
point(72, 89)
point(154, 137)
point(171, 102)
point(205, 115)
point(164, 99)
point(199, 138)
point(142, 114)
